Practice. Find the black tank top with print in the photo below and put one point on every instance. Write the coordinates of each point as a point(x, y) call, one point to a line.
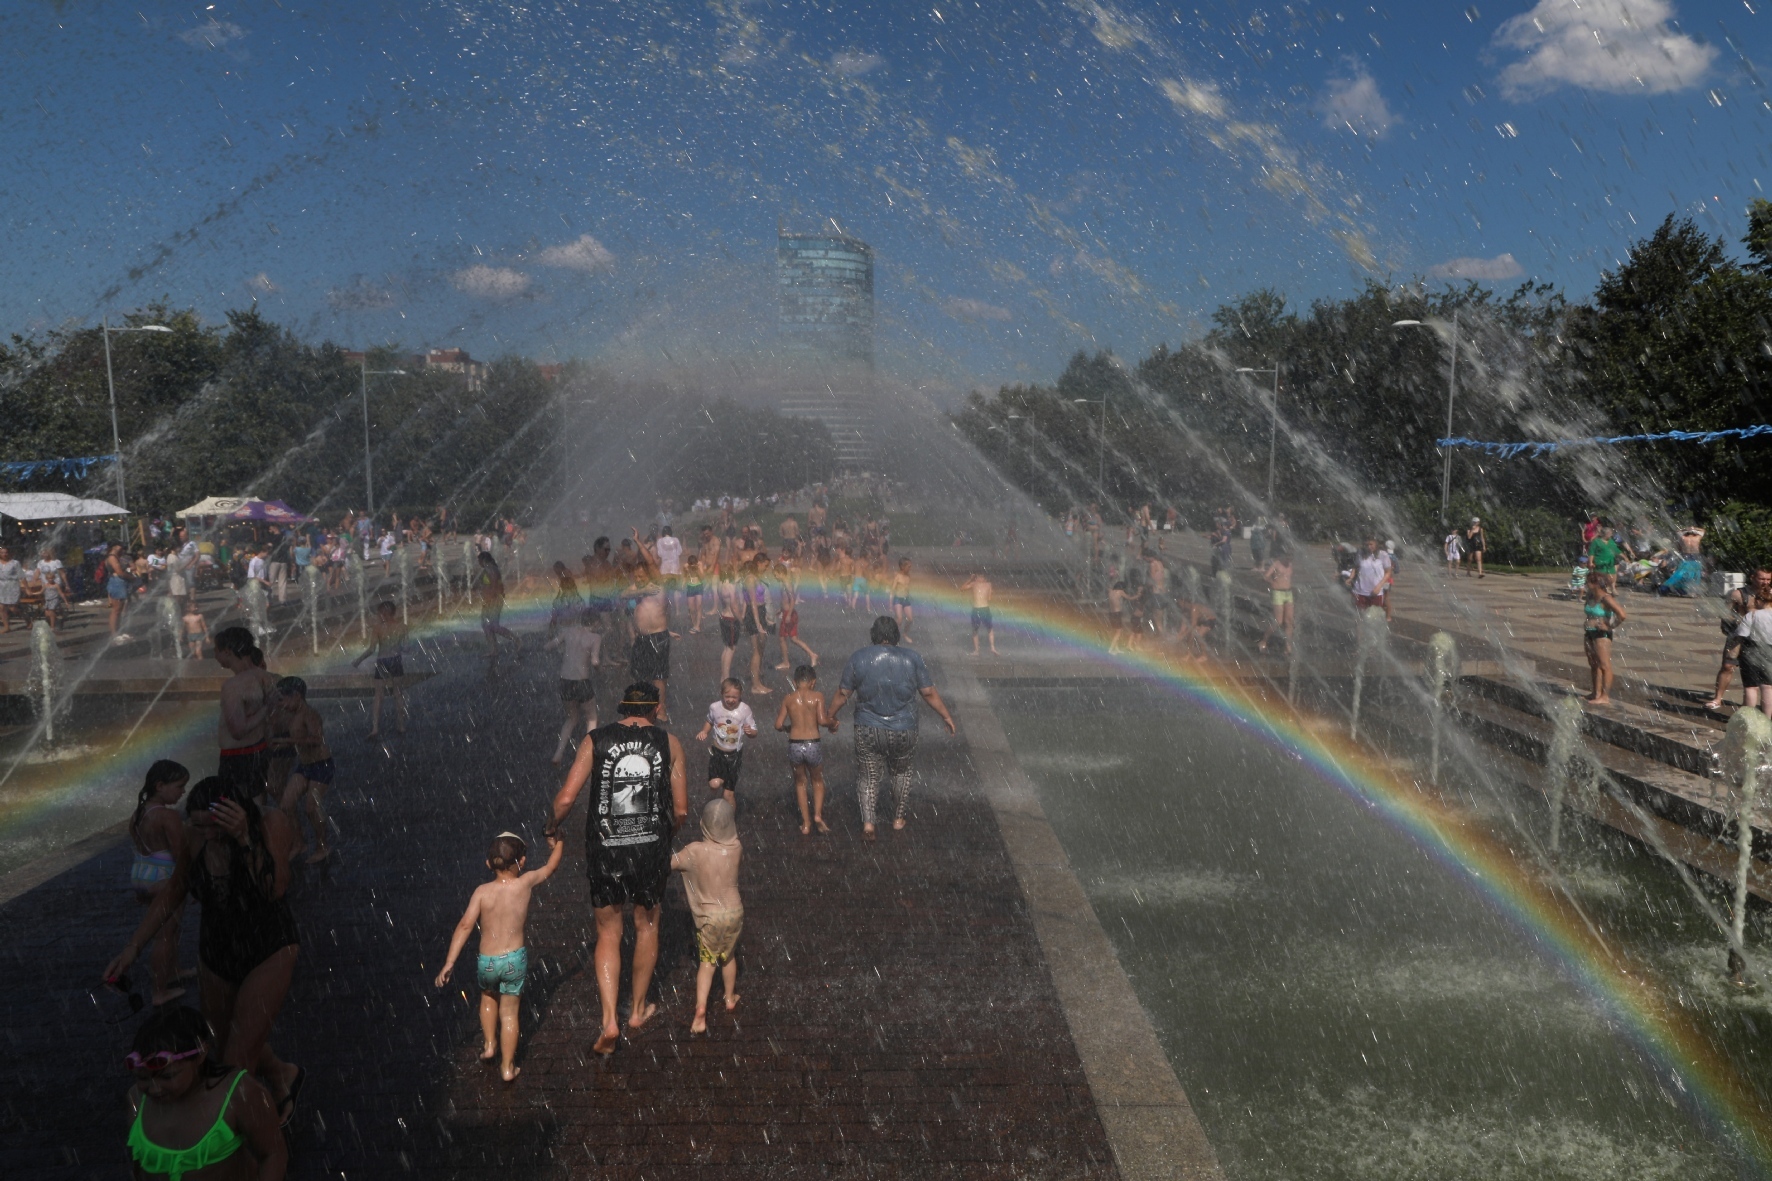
point(630, 788)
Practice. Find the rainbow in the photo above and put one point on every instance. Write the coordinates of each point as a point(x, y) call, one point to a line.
point(1638, 1004)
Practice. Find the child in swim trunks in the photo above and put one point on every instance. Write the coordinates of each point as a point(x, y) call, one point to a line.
point(730, 721)
point(196, 630)
point(710, 881)
point(501, 908)
point(802, 714)
point(312, 772)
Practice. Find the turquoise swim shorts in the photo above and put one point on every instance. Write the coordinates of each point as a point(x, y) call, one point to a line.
point(505, 973)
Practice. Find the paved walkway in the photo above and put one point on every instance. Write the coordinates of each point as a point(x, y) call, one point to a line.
point(898, 1017)
point(1667, 641)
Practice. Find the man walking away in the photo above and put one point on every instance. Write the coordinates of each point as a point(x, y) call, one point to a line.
point(886, 681)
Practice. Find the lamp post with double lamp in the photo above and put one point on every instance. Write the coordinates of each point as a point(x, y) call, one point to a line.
point(1273, 430)
point(368, 477)
point(105, 329)
point(1451, 392)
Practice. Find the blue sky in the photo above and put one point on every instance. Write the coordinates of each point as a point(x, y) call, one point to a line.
point(605, 179)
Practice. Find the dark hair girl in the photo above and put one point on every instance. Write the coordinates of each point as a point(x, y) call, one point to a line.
point(157, 837)
point(236, 862)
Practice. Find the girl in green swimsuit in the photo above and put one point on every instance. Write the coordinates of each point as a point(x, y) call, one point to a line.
point(192, 1114)
point(1600, 612)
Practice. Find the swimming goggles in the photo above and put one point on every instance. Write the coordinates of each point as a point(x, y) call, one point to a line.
point(159, 1060)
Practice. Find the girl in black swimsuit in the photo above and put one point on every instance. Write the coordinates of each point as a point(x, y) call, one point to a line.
point(236, 862)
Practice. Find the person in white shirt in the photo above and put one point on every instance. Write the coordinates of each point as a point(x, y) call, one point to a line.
point(55, 587)
point(1372, 578)
point(387, 552)
point(581, 650)
point(730, 722)
point(669, 550)
point(258, 568)
point(1753, 635)
point(1454, 552)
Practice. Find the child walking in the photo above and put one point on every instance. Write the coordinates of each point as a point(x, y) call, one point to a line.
point(196, 630)
point(730, 721)
point(158, 835)
point(803, 714)
point(501, 908)
point(312, 772)
point(710, 880)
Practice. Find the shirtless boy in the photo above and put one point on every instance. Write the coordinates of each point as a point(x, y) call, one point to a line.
point(501, 909)
point(243, 733)
point(312, 773)
point(1278, 576)
point(803, 714)
point(981, 589)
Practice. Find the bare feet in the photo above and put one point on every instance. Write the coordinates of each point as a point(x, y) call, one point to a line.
point(489, 1053)
point(760, 687)
point(639, 1018)
point(805, 830)
point(700, 1024)
point(606, 1043)
point(784, 664)
point(167, 997)
point(319, 855)
point(867, 833)
point(372, 735)
point(822, 826)
point(898, 825)
point(510, 1073)
point(732, 1002)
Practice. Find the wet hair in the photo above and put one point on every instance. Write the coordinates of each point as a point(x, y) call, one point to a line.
point(236, 641)
point(588, 617)
point(904, 563)
point(179, 1029)
point(638, 700)
point(731, 683)
point(213, 790)
point(385, 607)
point(163, 771)
point(602, 543)
point(293, 687)
point(805, 674)
point(506, 851)
point(884, 631)
point(665, 532)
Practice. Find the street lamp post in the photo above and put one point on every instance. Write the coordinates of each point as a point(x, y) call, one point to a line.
point(1100, 444)
point(1451, 392)
point(1273, 430)
point(105, 329)
point(368, 477)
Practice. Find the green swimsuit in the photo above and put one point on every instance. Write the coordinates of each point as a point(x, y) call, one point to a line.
point(218, 1144)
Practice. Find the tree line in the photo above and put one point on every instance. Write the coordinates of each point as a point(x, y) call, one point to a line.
point(246, 408)
point(1677, 337)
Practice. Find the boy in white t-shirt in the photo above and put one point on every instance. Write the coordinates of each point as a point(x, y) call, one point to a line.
point(581, 650)
point(730, 721)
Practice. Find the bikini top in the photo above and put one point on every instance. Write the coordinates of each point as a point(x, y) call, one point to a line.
point(219, 1143)
point(1597, 610)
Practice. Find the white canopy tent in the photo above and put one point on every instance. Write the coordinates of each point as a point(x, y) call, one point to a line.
point(213, 506)
point(55, 506)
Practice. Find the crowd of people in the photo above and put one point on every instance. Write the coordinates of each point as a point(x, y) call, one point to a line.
point(209, 1083)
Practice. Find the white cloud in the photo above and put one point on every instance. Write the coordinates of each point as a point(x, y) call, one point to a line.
point(1617, 46)
point(1195, 98)
point(497, 283)
point(856, 63)
point(262, 282)
point(216, 34)
point(1354, 103)
point(1502, 266)
point(974, 309)
point(585, 254)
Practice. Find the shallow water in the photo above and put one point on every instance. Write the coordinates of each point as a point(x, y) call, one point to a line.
point(1337, 1003)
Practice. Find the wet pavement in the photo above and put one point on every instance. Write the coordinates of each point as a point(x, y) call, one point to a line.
point(898, 1018)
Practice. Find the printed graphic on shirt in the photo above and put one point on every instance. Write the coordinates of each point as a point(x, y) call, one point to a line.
point(630, 788)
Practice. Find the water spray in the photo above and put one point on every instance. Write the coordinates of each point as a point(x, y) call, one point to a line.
point(1372, 629)
point(1222, 593)
point(1442, 670)
point(1747, 749)
point(168, 626)
point(359, 579)
point(1292, 650)
point(310, 590)
point(42, 685)
point(1567, 759)
point(404, 561)
point(258, 610)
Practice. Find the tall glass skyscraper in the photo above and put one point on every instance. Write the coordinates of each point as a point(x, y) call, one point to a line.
point(826, 287)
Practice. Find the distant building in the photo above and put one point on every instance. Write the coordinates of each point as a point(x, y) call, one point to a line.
point(825, 287)
point(445, 360)
point(825, 300)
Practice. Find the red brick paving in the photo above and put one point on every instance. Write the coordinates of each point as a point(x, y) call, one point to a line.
point(897, 1017)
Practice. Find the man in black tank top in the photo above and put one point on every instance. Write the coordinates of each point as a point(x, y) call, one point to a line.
point(630, 765)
